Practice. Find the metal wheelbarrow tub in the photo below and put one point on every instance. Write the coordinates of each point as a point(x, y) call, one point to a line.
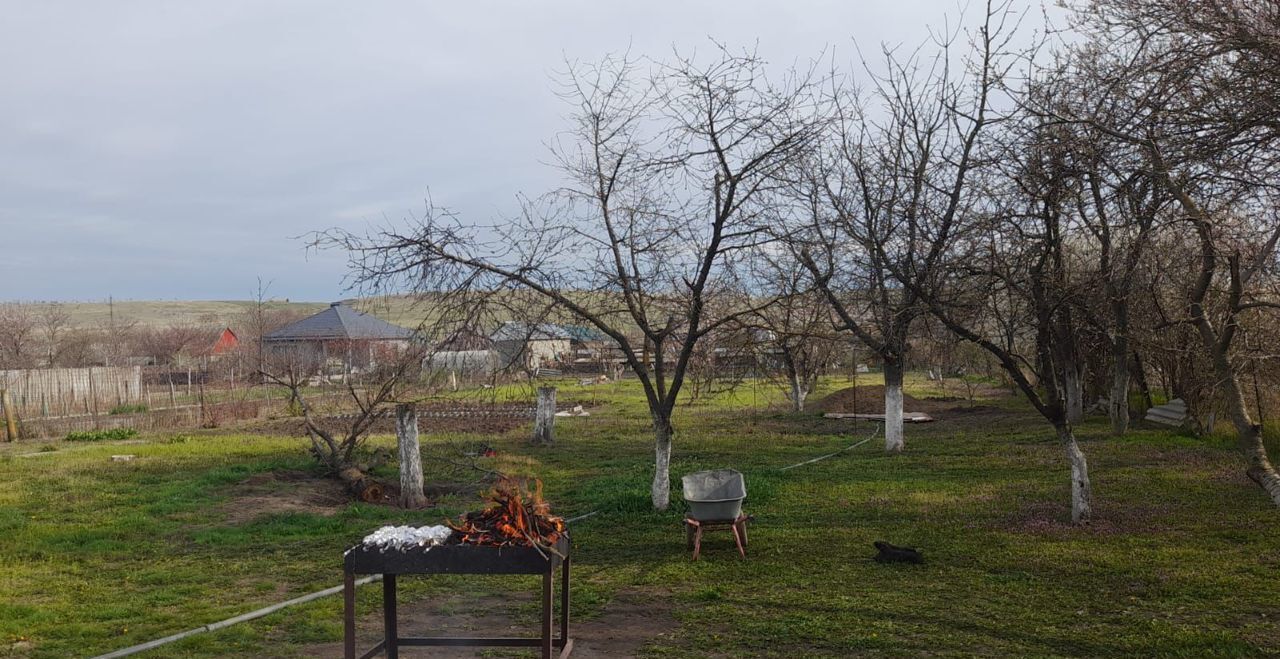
point(715, 495)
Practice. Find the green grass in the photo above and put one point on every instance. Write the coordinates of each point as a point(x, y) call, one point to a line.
point(97, 555)
point(101, 435)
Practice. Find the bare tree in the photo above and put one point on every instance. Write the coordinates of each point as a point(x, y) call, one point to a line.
point(667, 176)
point(55, 325)
point(796, 333)
point(18, 331)
point(900, 163)
point(336, 439)
point(1200, 82)
point(116, 337)
point(259, 320)
point(1011, 254)
point(174, 343)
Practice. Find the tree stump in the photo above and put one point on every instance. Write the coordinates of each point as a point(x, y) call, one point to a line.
point(411, 495)
point(544, 422)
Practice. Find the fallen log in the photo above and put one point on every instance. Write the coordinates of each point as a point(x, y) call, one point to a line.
point(361, 484)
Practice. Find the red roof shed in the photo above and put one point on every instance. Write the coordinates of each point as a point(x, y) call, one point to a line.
point(227, 341)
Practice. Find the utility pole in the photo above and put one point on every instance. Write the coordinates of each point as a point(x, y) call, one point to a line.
point(111, 327)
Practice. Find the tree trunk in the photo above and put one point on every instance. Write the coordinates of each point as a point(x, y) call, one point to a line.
point(1248, 433)
point(1260, 469)
point(361, 484)
point(1081, 491)
point(798, 392)
point(893, 441)
point(1118, 404)
point(411, 495)
point(544, 423)
point(661, 490)
point(1140, 372)
point(1073, 387)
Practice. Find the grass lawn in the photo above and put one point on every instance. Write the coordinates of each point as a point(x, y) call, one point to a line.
point(1182, 561)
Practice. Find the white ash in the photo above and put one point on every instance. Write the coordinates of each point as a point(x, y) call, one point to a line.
point(404, 537)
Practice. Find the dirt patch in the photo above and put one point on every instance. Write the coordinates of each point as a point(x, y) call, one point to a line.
point(974, 409)
point(294, 491)
point(630, 620)
point(1054, 519)
point(284, 491)
point(868, 399)
point(432, 418)
point(293, 427)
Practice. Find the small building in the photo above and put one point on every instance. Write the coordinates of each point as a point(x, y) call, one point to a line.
point(339, 337)
point(227, 341)
point(532, 346)
point(464, 352)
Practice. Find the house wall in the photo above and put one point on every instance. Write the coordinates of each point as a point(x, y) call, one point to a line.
point(464, 362)
point(538, 352)
point(336, 355)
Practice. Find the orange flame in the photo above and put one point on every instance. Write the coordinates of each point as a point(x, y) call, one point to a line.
point(516, 516)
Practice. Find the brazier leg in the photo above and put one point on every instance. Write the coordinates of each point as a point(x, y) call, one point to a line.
point(349, 615)
point(389, 616)
point(564, 601)
point(546, 614)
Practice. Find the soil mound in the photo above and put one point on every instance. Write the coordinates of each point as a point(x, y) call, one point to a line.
point(867, 399)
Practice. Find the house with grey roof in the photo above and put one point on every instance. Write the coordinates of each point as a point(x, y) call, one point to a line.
point(339, 336)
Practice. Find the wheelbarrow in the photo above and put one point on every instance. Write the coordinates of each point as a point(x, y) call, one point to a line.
point(715, 502)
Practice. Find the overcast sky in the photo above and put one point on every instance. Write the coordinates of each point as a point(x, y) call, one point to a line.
point(176, 150)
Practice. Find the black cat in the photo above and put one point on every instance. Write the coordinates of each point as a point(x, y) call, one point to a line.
point(893, 554)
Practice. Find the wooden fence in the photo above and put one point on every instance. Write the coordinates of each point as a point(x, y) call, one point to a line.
point(69, 391)
point(167, 418)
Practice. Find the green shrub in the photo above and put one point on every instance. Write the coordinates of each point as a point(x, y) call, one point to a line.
point(129, 408)
point(100, 435)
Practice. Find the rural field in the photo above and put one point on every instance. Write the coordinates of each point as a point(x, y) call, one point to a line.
point(1179, 560)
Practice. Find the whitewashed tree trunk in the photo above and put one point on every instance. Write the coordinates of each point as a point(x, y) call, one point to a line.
point(1081, 490)
point(661, 490)
point(1248, 433)
point(893, 441)
point(799, 392)
point(411, 495)
point(544, 422)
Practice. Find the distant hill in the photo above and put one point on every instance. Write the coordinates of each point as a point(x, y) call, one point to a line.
point(160, 313)
point(402, 310)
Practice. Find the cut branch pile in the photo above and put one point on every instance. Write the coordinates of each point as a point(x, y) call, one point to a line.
point(516, 516)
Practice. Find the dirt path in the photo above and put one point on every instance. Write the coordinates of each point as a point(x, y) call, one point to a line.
point(629, 621)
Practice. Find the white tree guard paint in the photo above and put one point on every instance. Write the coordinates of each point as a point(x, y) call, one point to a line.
point(893, 440)
point(544, 424)
point(411, 495)
point(661, 490)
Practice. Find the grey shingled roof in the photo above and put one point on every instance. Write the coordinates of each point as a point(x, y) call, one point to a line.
point(339, 322)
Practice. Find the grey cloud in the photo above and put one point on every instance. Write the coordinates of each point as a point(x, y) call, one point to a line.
point(173, 150)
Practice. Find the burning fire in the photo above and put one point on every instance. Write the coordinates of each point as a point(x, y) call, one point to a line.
point(516, 516)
